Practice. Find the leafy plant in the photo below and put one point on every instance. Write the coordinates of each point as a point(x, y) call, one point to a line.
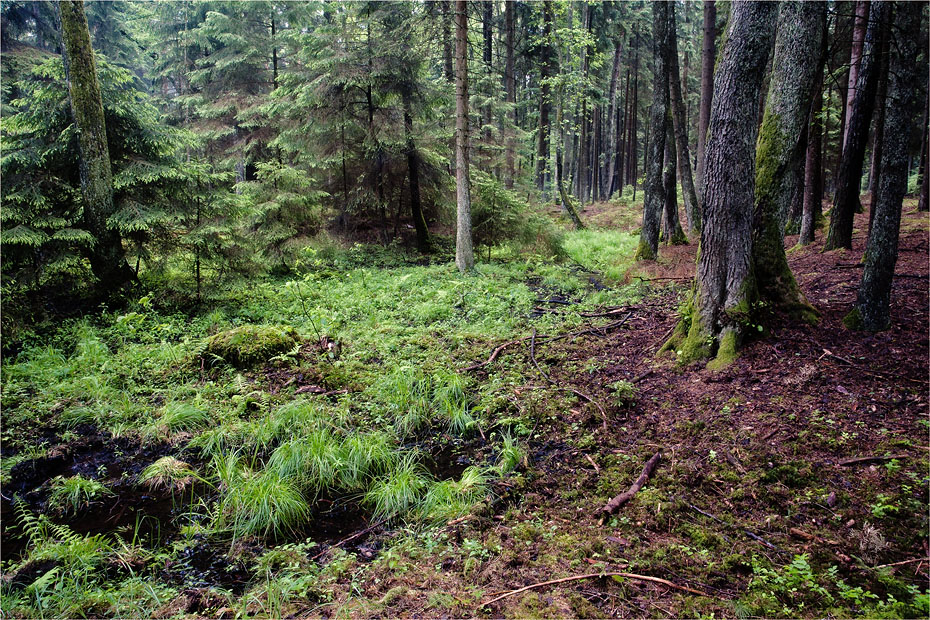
point(75, 493)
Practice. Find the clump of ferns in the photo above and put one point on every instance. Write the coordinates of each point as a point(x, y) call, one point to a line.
point(264, 503)
point(449, 499)
point(78, 554)
point(169, 473)
point(70, 495)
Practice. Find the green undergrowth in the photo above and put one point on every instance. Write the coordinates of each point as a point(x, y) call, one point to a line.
point(246, 455)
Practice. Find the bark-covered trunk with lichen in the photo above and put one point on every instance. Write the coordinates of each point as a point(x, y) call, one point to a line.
point(464, 254)
point(780, 154)
point(872, 309)
point(107, 257)
point(680, 125)
point(724, 289)
point(654, 199)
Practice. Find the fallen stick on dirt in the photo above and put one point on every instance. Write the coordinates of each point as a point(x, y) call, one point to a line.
point(634, 576)
point(348, 539)
point(624, 497)
point(902, 563)
point(642, 376)
point(870, 459)
point(593, 464)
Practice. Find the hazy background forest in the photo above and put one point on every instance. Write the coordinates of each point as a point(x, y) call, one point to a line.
point(373, 308)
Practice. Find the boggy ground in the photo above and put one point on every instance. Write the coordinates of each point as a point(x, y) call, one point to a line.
point(757, 500)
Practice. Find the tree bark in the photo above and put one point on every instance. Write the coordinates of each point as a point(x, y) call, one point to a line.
point(878, 122)
point(708, 50)
point(724, 288)
point(672, 234)
point(413, 171)
point(610, 159)
point(680, 125)
point(872, 309)
point(654, 189)
point(924, 178)
point(846, 199)
point(510, 87)
point(545, 103)
point(780, 153)
point(855, 58)
point(464, 253)
point(107, 257)
point(447, 53)
point(812, 209)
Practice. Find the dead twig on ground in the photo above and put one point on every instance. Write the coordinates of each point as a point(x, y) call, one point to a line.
point(349, 539)
point(633, 576)
point(870, 459)
point(593, 464)
point(902, 563)
point(624, 497)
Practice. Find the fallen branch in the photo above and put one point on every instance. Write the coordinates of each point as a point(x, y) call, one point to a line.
point(642, 376)
point(633, 576)
point(624, 497)
point(902, 563)
point(593, 464)
point(870, 459)
point(349, 539)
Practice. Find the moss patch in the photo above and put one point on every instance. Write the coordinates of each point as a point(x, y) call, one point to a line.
point(252, 344)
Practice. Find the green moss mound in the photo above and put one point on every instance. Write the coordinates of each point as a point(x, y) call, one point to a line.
point(252, 344)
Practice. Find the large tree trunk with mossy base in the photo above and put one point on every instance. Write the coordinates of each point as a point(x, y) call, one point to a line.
point(464, 252)
point(846, 200)
point(780, 154)
point(654, 199)
point(680, 126)
point(107, 257)
point(872, 309)
point(672, 234)
point(724, 289)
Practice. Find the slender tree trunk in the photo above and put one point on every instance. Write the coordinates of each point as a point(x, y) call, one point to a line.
point(811, 213)
point(672, 233)
point(879, 121)
point(107, 257)
point(780, 153)
point(855, 58)
point(872, 310)
point(846, 200)
point(724, 288)
point(707, 84)
point(633, 157)
point(545, 103)
point(486, 23)
point(413, 171)
point(680, 124)
point(654, 188)
point(510, 87)
point(564, 196)
point(924, 178)
point(464, 254)
point(611, 129)
point(842, 50)
point(447, 53)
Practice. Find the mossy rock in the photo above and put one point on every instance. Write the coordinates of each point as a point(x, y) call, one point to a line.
point(250, 345)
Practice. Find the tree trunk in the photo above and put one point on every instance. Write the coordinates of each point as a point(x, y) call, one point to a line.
point(724, 288)
point(855, 58)
point(487, 18)
point(610, 159)
point(447, 53)
point(672, 234)
point(707, 85)
point(654, 190)
point(107, 257)
point(780, 153)
point(632, 159)
point(846, 200)
point(878, 123)
point(841, 46)
point(510, 87)
point(680, 124)
point(811, 212)
point(924, 178)
point(564, 196)
point(542, 142)
point(464, 254)
point(413, 170)
point(872, 309)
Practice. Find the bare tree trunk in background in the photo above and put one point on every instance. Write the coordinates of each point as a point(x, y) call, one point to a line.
point(447, 53)
point(780, 153)
point(707, 85)
point(924, 176)
point(841, 50)
point(724, 287)
point(654, 189)
point(672, 234)
point(510, 87)
point(464, 253)
point(846, 199)
point(610, 159)
point(872, 310)
point(413, 170)
point(878, 121)
point(680, 125)
point(564, 195)
point(812, 208)
point(545, 103)
point(855, 58)
point(487, 18)
point(107, 257)
point(632, 160)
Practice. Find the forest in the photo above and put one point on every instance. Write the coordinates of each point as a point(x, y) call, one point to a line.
point(464, 308)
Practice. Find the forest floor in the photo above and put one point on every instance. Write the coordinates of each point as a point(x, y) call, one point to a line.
point(793, 483)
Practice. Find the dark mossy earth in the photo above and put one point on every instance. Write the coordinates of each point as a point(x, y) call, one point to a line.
point(350, 467)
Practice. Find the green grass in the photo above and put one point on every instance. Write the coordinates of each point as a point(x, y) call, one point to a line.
point(70, 495)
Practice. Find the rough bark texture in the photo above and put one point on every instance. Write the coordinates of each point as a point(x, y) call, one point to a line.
point(510, 87)
point(611, 137)
point(447, 45)
point(654, 189)
point(812, 211)
point(672, 234)
point(545, 103)
point(464, 254)
point(846, 200)
point(724, 288)
point(780, 152)
point(872, 309)
point(878, 123)
point(707, 83)
point(107, 257)
point(924, 178)
point(680, 125)
point(855, 57)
